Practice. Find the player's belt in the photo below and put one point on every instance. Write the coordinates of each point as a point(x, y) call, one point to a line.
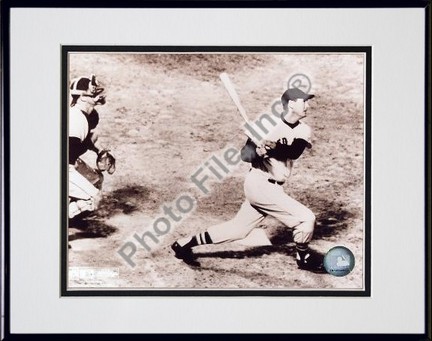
point(264, 174)
point(273, 181)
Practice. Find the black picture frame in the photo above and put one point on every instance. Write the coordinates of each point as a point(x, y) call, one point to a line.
point(6, 226)
point(366, 291)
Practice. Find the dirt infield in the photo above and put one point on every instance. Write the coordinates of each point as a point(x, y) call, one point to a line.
point(166, 115)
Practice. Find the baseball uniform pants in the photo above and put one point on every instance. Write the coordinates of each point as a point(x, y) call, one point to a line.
point(265, 198)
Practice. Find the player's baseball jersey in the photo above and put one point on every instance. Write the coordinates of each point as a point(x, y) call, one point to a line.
point(284, 134)
point(78, 124)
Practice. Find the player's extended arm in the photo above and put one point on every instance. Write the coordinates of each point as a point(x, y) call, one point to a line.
point(248, 152)
point(292, 151)
point(92, 137)
point(91, 143)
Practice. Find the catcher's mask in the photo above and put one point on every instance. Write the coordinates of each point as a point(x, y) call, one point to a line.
point(86, 87)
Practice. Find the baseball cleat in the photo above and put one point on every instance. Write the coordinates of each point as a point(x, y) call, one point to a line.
point(185, 254)
point(313, 262)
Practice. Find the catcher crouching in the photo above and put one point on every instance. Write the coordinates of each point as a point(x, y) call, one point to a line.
point(85, 182)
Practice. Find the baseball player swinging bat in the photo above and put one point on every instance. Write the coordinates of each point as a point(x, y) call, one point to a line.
point(264, 194)
point(229, 86)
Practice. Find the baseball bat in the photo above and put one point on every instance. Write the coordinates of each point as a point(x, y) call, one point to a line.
point(229, 87)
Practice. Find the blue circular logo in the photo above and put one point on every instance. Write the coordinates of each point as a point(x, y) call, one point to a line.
point(339, 261)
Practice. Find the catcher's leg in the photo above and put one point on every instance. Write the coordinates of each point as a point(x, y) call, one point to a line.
point(78, 206)
point(83, 196)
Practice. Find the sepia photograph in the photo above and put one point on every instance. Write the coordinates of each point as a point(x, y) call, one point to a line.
point(216, 171)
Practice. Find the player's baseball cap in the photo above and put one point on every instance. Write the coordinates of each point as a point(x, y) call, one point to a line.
point(293, 94)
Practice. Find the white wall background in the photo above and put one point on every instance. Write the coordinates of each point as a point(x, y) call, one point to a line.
point(397, 38)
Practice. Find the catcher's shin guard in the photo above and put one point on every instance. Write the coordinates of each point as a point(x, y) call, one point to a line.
point(94, 176)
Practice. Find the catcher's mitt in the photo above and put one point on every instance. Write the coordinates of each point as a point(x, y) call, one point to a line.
point(106, 162)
